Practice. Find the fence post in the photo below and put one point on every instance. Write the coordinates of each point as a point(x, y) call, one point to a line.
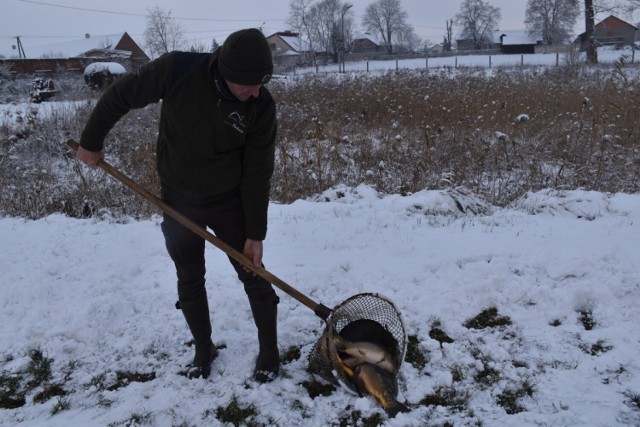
point(426, 62)
point(557, 59)
point(396, 65)
point(633, 55)
point(489, 61)
point(522, 60)
point(367, 65)
point(456, 63)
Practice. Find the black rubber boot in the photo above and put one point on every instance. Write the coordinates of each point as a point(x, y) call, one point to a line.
point(265, 315)
point(196, 313)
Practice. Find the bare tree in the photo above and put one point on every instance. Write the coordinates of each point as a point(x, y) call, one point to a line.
point(448, 38)
point(407, 41)
point(552, 20)
point(590, 32)
point(197, 45)
point(478, 20)
point(162, 34)
point(387, 18)
point(300, 20)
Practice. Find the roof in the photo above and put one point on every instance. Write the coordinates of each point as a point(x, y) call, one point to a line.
point(614, 22)
point(38, 47)
point(292, 41)
point(515, 37)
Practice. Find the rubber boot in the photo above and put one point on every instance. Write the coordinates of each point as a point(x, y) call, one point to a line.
point(265, 315)
point(196, 313)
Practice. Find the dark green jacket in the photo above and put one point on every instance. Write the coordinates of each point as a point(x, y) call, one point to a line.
point(209, 143)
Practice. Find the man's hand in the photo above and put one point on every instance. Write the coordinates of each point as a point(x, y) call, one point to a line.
point(90, 158)
point(253, 251)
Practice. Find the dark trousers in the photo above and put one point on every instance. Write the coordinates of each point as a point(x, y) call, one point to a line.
point(186, 248)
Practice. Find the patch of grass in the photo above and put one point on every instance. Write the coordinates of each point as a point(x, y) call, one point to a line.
point(292, 354)
point(135, 419)
point(414, 355)
point(317, 388)
point(487, 376)
point(457, 373)
point(61, 405)
point(236, 414)
point(11, 395)
point(447, 397)
point(488, 318)
point(509, 399)
point(124, 378)
point(14, 387)
point(633, 400)
point(596, 349)
point(355, 419)
point(439, 335)
point(587, 320)
point(39, 368)
point(98, 381)
point(49, 392)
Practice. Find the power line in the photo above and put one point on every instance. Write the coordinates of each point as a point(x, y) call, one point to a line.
point(84, 9)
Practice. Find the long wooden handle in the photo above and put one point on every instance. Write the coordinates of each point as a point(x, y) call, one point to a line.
point(320, 310)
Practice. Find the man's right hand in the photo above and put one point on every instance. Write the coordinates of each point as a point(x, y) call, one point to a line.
point(90, 158)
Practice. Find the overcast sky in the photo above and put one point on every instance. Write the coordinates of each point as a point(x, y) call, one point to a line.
point(61, 20)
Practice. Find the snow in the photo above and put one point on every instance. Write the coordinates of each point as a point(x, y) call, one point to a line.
point(98, 296)
point(606, 55)
point(112, 67)
point(514, 37)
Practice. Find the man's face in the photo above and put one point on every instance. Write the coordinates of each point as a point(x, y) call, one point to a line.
point(243, 92)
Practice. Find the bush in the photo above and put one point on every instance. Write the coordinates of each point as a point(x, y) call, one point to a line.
point(499, 136)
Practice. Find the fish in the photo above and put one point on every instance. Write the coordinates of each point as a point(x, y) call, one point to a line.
point(353, 354)
point(381, 384)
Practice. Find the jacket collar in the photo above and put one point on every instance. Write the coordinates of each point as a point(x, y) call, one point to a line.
point(218, 80)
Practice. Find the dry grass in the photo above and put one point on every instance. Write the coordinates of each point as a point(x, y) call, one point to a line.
point(498, 136)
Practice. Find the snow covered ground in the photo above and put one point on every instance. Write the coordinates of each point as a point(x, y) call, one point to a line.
point(97, 298)
point(606, 55)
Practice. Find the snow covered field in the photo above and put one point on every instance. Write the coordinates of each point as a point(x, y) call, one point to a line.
point(606, 55)
point(97, 298)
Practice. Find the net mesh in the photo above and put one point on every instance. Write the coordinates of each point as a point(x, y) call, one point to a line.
point(363, 317)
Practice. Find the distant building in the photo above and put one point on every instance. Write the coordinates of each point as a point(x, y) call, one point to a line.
point(285, 48)
point(75, 55)
point(487, 44)
point(612, 31)
point(364, 45)
point(517, 42)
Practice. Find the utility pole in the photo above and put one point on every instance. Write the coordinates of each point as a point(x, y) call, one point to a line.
point(345, 8)
point(21, 53)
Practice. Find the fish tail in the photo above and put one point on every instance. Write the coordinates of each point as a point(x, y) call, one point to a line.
point(395, 408)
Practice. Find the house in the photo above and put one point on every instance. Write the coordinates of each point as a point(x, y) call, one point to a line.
point(75, 55)
point(283, 42)
point(615, 31)
point(285, 48)
point(436, 49)
point(612, 31)
point(364, 45)
point(517, 42)
point(488, 44)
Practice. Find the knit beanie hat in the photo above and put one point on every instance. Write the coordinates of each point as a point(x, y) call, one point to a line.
point(245, 58)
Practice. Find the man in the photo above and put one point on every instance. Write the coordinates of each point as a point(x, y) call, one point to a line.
point(215, 156)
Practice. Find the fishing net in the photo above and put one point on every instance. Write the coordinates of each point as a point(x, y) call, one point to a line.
point(364, 317)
